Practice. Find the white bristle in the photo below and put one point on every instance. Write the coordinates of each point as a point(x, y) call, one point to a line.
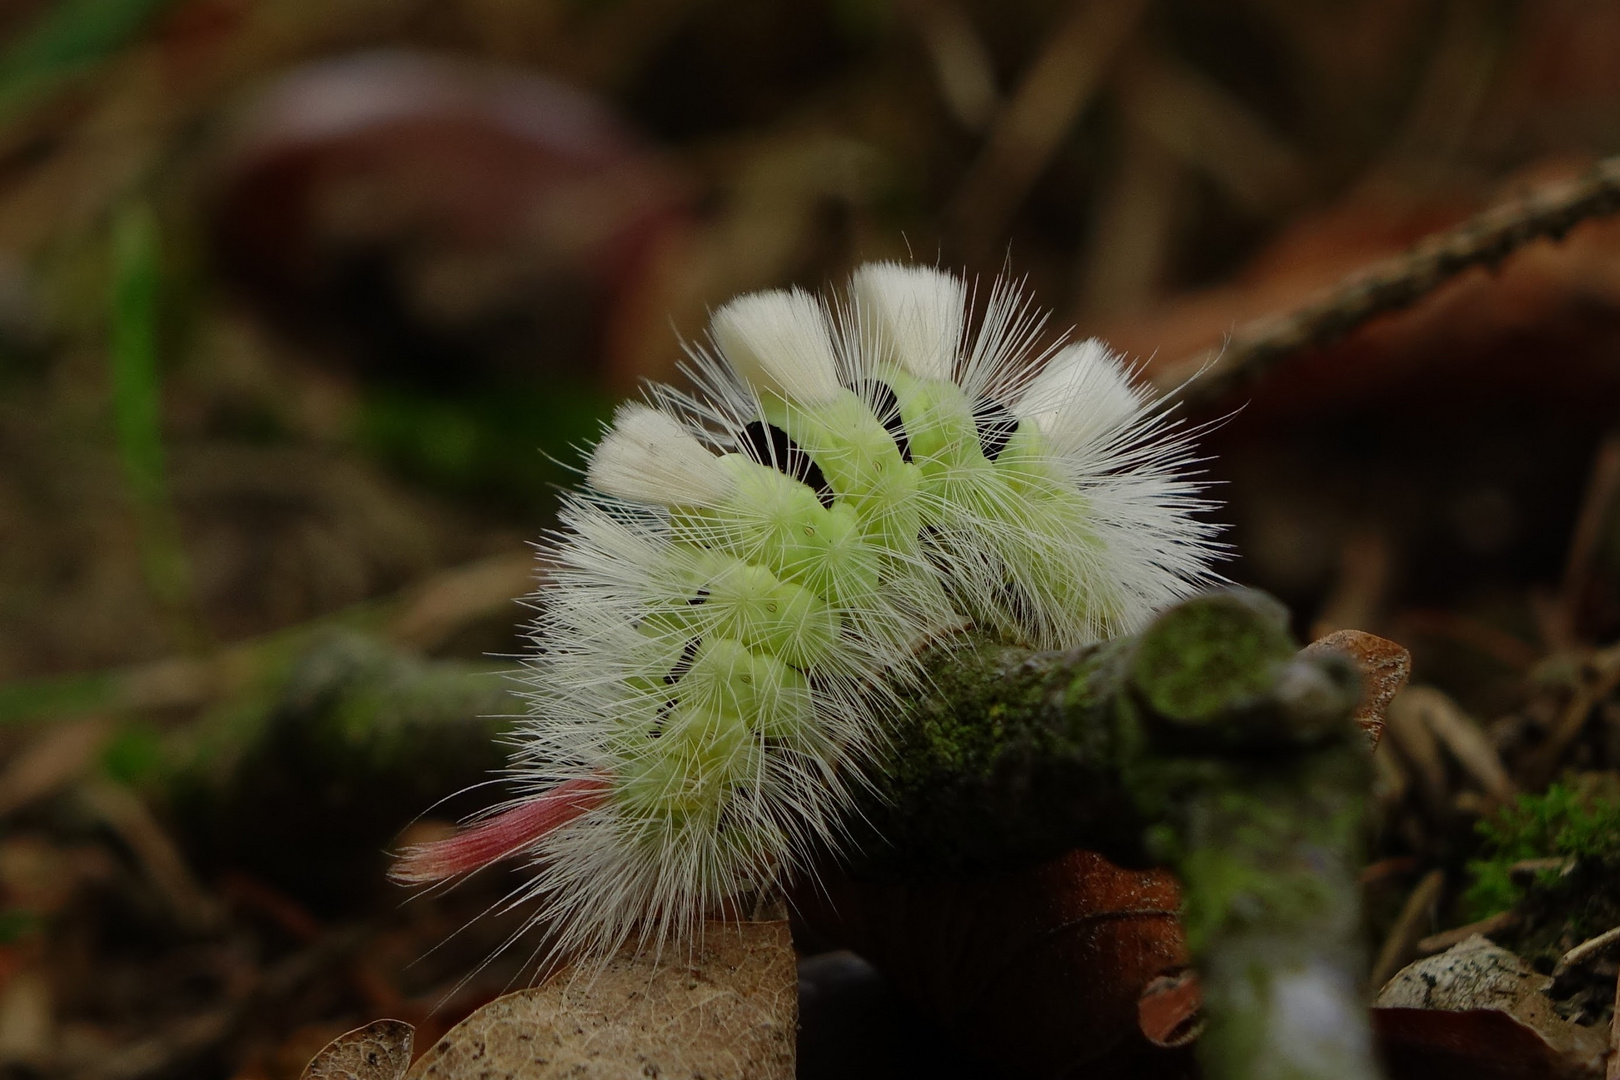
point(778, 341)
point(913, 313)
point(1082, 396)
point(649, 457)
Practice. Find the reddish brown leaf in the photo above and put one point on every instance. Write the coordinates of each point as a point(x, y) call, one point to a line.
point(1384, 666)
point(1170, 1010)
point(1043, 968)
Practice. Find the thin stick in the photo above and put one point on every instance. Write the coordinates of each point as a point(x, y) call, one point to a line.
point(1586, 950)
point(1398, 282)
point(1032, 123)
point(1407, 932)
point(1602, 487)
point(1494, 924)
point(1604, 678)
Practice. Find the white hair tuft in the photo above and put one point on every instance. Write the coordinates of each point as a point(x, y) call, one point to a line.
point(912, 313)
point(649, 457)
point(1082, 396)
point(778, 341)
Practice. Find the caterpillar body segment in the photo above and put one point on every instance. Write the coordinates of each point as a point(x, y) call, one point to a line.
point(742, 589)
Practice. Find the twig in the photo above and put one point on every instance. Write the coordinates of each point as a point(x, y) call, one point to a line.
point(1605, 678)
point(1398, 282)
point(420, 618)
point(1211, 130)
point(1133, 227)
point(124, 812)
point(1526, 870)
point(1463, 738)
point(1406, 935)
point(456, 598)
point(1602, 487)
point(1417, 748)
point(1586, 950)
point(1031, 125)
point(1486, 927)
point(50, 762)
point(963, 72)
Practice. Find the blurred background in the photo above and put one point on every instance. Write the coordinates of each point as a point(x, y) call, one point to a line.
point(306, 305)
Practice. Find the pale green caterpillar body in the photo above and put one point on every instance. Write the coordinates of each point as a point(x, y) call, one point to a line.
point(757, 565)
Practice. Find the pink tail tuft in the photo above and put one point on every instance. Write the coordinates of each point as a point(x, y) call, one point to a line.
point(501, 836)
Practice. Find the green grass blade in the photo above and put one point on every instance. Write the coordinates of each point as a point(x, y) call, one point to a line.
point(137, 415)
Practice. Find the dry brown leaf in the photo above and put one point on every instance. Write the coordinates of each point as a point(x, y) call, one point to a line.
point(379, 1051)
point(540, 202)
point(1542, 325)
point(1043, 968)
point(1170, 1010)
point(728, 1013)
point(1479, 1011)
point(1384, 666)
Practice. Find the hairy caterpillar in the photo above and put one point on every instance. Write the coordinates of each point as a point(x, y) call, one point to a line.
point(756, 564)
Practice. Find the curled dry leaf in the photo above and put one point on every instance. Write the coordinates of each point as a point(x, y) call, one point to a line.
point(1478, 1011)
point(1170, 1010)
point(1384, 667)
point(1045, 969)
point(473, 196)
point(727, 1012)
point(379, 1051)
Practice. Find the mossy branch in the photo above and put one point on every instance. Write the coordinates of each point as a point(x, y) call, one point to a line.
point(1207, 743)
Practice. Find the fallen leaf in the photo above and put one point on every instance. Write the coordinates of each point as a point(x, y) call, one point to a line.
point(1044, 969)
point(379, 1051)
point(727, 1012)
point(1479, 1011)
point(1170, 1010)
point(1541, 325)
point(1384, 667)
point(496, 197)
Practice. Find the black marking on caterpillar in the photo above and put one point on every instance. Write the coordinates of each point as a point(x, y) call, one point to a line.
point(770, 445)
point(996, 425)
point(886, 407)
point(684, 664)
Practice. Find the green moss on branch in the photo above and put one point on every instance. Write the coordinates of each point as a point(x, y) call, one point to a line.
point(1207, 743)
